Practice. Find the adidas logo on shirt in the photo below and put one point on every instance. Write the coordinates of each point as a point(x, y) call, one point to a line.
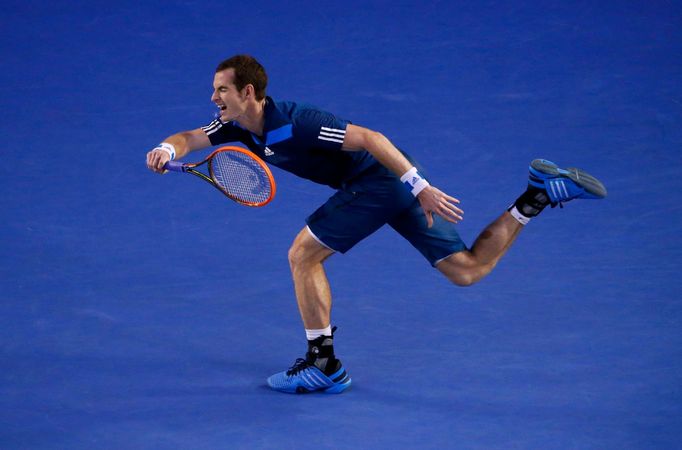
point(332, 134)
point(268, 152)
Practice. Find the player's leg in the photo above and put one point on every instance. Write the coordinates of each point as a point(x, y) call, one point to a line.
point(313, 295)
point(548, 185)
point(469, 266)
point(345, 219)
point(320, 370)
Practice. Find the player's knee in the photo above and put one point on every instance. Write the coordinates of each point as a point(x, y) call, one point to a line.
point(462, 270)
point(296, 255)
point(300, 256)
point(306, 252)
point(463, 279)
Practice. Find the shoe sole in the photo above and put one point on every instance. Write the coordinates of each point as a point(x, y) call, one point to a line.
point(334, 389)
point(337, 388)
point(578, 176)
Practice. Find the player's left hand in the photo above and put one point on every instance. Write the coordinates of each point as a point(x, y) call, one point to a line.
point(434, 200)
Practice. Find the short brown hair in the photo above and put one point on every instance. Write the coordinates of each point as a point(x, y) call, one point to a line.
point(246, 71)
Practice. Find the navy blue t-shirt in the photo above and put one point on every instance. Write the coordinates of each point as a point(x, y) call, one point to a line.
point(300, 139)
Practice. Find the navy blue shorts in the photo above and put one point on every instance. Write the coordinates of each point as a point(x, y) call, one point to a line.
point(374, 198)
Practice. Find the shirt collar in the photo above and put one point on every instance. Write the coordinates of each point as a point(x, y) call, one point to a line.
point(274, 119)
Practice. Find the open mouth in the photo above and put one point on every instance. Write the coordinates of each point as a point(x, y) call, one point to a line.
point(219, 113)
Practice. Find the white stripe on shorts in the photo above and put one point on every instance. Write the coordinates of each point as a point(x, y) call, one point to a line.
point(319, 241)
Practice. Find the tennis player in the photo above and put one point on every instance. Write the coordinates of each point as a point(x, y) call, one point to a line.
point(375, 184)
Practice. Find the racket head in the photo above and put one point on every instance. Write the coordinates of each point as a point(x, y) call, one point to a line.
point(242, 176)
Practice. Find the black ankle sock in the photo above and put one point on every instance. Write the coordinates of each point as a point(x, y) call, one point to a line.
point(321, 354)
point(531, 202)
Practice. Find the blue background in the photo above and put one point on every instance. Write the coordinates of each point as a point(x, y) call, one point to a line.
point(142, 311)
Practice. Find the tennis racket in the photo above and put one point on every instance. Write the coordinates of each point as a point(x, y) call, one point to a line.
point(236, 172)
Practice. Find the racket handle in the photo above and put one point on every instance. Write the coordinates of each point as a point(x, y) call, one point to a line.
point(175, 166)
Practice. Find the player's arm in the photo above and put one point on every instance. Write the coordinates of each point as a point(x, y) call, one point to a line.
point(431, 199)
point(178, 146)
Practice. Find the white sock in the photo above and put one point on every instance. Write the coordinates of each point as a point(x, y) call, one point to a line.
point(523, 220)
point(316, 333)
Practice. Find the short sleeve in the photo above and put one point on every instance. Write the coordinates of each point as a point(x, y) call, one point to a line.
point(219, 132)
point(320, 129)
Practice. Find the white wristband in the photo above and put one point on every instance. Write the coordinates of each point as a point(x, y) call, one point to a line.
point(414, 181)
point(168, 148)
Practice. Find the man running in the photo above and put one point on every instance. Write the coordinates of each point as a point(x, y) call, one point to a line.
point(375, 183)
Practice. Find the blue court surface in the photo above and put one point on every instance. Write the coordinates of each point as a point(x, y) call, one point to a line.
point(141, 311)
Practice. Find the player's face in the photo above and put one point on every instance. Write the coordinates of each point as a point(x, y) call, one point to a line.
point(231, 102)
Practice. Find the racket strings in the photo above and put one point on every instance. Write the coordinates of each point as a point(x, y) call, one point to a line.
point(241, 177)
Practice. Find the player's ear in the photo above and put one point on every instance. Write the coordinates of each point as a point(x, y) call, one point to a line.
point(249, 91)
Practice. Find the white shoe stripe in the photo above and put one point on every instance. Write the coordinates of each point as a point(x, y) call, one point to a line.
point(551, 185)
point(563, 185)
point(307, 377)
point(304, 379)
point(317, 377)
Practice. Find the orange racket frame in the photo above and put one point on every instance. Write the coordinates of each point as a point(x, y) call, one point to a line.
point(189, 168)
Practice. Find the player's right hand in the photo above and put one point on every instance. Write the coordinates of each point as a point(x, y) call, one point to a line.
point(156, 159)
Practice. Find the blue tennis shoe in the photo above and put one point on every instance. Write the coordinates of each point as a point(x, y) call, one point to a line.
point(304, 377)
point(563, 185)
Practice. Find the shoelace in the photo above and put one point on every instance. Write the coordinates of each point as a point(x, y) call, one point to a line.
point(299, 365)
point(302, 364)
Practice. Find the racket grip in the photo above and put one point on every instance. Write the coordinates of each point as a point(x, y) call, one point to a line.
point(174, 166)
